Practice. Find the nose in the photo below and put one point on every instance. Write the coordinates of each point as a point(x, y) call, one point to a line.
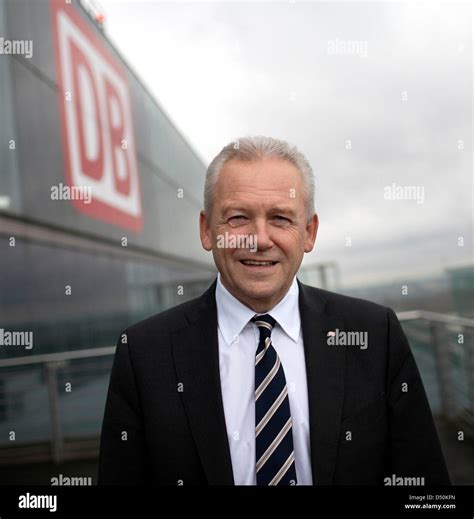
point(262, 232)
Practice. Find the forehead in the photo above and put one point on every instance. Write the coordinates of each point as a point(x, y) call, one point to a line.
point(269, 174)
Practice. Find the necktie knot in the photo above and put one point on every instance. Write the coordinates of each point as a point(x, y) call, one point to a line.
point(265, 324)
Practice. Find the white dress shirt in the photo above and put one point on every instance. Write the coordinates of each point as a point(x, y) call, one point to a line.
point(238, 342)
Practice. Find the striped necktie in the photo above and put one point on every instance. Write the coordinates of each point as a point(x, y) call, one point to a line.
point(275, 457)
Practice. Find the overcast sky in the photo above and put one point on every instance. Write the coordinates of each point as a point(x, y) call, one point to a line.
point(394, 79)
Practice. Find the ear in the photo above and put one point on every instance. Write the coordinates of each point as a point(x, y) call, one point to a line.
point(205, 231)
point(311, 233)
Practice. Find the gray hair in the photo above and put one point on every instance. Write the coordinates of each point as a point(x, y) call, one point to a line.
point(252, 149)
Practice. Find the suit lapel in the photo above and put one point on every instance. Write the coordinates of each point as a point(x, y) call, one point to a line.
point(196, 356)
point(325, 377)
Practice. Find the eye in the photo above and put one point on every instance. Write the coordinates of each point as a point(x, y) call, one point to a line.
point(281, 218)
point(237, 219)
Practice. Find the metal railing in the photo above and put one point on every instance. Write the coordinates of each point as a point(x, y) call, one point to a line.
point(51, 405)
point(450, 341)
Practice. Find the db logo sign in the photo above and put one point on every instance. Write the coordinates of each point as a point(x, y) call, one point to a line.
point(96, 115)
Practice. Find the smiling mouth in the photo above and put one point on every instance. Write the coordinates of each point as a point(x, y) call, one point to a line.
point(253, 263)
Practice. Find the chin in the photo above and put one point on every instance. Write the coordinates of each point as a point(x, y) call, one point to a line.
point(260, 293)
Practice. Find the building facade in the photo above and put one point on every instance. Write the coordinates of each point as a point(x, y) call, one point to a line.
point(100, 193)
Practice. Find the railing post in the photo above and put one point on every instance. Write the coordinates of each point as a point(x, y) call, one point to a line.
point(447, 390)
point(57, 441)
point(323, 276)
point(469, 345)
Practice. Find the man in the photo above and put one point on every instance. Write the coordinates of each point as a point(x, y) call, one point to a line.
point(263, 380)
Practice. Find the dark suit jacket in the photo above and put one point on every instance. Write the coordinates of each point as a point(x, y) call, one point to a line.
point(165, 396)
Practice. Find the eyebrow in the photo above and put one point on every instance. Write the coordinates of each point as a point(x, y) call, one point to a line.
point(286, 210)
point(228, 208)
point(276, 210)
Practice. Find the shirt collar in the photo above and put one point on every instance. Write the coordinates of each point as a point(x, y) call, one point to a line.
point(233, 316)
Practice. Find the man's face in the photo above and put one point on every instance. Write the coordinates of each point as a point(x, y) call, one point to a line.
point(264, 201)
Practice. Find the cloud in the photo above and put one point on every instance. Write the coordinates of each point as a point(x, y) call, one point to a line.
point(224, 70)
